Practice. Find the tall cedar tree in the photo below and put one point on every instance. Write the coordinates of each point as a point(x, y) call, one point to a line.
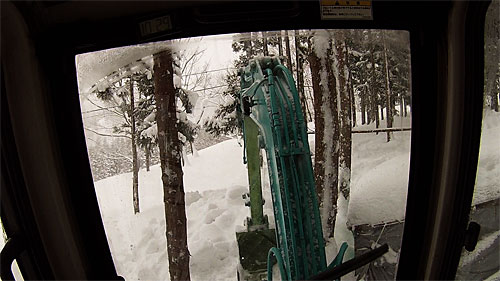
point(344, 116)
point(350, 82)
point(299, 67)
point(357, 60)
point(388, 98)
point(133, 134)
point(227, 119)
point(345, 141)
point(170, 159)
point(122, 103)
point(373, 82)
point(288, 52)
point(145, 107)
point(325, 108)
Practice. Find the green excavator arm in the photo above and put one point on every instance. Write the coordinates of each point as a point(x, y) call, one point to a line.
point(274, 121)
point(269, 98)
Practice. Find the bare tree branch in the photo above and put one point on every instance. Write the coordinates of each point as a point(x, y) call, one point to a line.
point(107, 135)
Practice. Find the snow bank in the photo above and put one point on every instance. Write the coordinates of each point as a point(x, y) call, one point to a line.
point(488, 172)
point(380, 196)
point(482, 245)
point(138, 242)
point(379, 178)
point(217, 167)
point(215, 179)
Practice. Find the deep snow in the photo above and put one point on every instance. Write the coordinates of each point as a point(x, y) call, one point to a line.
point(216, 178)
point(214, 181)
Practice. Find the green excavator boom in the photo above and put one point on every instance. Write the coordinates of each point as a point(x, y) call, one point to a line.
point(269, 99)
point(273, 121)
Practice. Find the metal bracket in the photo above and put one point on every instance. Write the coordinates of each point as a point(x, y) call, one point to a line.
point(471, 236)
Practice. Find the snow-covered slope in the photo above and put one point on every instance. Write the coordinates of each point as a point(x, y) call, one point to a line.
point(214, 181)
point(379, 178)
point(488, 172)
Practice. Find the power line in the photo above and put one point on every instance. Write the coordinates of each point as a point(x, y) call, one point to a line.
point(210, 88)
point(213, 70)
point(99, 109)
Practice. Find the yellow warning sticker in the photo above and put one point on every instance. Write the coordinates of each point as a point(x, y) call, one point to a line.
point(346, 10)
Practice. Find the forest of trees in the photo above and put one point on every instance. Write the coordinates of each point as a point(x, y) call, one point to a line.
point(492, 56)
point(338, 73)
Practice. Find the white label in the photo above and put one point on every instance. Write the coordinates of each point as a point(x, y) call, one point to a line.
point(156, 25)
point(346, 10)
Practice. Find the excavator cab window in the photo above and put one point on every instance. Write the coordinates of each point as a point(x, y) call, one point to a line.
point(78, 138)
point(218, 80)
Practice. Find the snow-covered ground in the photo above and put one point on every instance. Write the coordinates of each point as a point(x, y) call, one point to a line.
point(214, 182)
point(215, 179)
point(488, 172)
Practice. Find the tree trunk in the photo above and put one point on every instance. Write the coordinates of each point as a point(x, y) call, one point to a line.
point(300, 76)
point(326, 153)
point(374, 96)
point(170, 160)
point(401, 104)
point(147, 152)
point(280, 44)
point(288, 53)
point(345, 121)
point(332, 151)
point(319, 124)
point(264, 38)
point(344, 146)
point(408, 101)
point(352, 108)
point(363, 107)
point(353, 101)
point(368, 106)
point(251, 49)
point(350, 86)
point(135, 168)
point(405, 107)
point(388, 102)
point(326, 158)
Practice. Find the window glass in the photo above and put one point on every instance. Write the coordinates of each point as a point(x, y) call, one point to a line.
point(483, 263)
point(353, 88)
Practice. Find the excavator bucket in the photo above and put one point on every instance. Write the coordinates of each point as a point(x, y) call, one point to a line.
point(253, 247)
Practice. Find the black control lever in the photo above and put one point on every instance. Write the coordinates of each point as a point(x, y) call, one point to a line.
point(351, 265)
